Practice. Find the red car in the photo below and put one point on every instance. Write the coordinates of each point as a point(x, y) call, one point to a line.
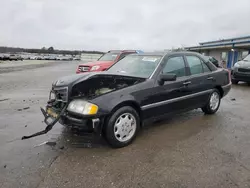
point(105, 61)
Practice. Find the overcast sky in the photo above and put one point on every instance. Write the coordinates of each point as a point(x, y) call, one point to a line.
point(120, 24)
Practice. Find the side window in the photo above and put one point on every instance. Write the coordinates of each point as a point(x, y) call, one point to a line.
point(175, 65)
point(205, 67)
point(194, 65)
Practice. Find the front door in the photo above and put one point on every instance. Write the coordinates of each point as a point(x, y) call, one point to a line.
point(167, 98)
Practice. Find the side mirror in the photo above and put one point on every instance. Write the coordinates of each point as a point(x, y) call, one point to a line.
point(166, 77)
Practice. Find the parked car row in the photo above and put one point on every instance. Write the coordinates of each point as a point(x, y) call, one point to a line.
point(133, 89)
point(10, 57)
point(54, 57)
point(16, 57)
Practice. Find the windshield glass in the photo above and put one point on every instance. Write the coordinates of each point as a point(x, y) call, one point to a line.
point(136, 65)
point(247, 58)
point(108, 57)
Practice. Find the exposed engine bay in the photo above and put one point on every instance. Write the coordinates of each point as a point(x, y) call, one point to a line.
point(102, 84)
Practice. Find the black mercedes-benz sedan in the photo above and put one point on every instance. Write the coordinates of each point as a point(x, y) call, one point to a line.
point(140, 88)
point(241, 71)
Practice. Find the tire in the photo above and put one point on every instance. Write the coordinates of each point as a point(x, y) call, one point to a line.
point(117, 127)
point(209, 108)
point(234, 81)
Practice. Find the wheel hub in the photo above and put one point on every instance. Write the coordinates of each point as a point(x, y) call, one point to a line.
point(125, 127)
point(214, 100)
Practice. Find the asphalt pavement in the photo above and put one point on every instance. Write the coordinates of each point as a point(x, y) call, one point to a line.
point(186, 150)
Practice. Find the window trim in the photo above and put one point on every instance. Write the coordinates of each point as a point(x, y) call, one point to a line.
point(189, 67)
point(202, 61)
point(165, 60)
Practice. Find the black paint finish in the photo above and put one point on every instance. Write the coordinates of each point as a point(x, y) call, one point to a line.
point(147, 96)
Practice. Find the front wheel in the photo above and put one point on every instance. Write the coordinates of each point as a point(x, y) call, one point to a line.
point(213, 103)
point(122, 127)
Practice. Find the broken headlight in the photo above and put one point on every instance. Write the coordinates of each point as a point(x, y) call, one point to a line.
point(52, 96)
point(82, 107)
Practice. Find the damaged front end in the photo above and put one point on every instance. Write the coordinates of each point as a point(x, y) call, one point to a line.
point(70, 101)
point(54, 110)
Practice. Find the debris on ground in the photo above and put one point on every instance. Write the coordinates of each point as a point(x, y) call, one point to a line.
point(47, 143)
point(5, 166)
point(1, 100)
point(40, 144)
point(233, 99)
point(62, 147)
point(51, 143)
point(26, 108)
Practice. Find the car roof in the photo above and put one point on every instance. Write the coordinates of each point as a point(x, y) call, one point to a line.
point(168, 53)
point(121, 51)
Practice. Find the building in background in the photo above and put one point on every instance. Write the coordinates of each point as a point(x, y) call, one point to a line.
point(226, 50)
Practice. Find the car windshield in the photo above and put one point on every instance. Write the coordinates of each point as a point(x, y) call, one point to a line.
point(108, 57)
point(136, 65)
point(247, 58)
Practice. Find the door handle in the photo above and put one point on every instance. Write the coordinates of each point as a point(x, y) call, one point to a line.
point(187, 83)
point(210, 78)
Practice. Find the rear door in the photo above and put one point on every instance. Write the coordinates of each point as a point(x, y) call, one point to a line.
point(199, 83)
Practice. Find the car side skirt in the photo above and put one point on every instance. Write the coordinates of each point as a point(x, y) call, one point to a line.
point(175, 99)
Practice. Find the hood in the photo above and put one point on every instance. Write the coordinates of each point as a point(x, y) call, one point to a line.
point(66, 80)
point(76, 78)
point(100, 63)
point(244, 64)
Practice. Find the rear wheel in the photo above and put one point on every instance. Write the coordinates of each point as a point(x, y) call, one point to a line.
point(122, 127)
point(213, 103)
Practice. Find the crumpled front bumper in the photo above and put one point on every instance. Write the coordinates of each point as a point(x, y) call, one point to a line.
point(50, 125)
point(86, 124)
point(91, 124)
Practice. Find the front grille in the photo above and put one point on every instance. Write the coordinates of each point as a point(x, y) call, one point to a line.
point(61, 94)
point(83, 68)
point(244, 70)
